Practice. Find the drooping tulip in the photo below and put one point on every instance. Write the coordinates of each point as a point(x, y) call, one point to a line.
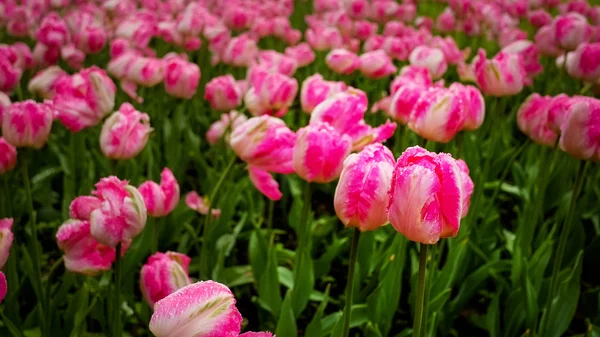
point(342, 61)
point(6, 239)
point(223, 93)
point(430, 58)
point(8, 156)
point(27, 124)
point(264, 183)
point(122, 214)
point(200, 204)
point(160, 200)
point(438, 115)
point(315, 90)
point(580, 135)
point(361, 195)
point(192, 311)
point(163, 274)
point(427, 196)
point(229, 121)
point(584, 62)
point(125, 133)
point(181, 77)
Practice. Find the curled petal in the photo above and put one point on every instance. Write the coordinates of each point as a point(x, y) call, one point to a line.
point(265, 183)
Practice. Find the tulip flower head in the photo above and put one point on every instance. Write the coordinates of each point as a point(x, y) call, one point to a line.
point(125, 133)
point(342, 61)
point(315, 90)
point(223, 93)
point(181, 77)
point(163, 274)
point(6, 239)
point(580, 135)
point(160, 200)
point(431, 58)
point(27, 124)
point(438, 115)
point(8, 156)
point(584, 62)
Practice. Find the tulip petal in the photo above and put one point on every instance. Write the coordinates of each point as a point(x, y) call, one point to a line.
point(265, 183)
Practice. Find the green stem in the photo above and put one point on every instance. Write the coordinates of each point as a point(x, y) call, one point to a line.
point(48, 293)
point(350, 284)
point(564, 234)
point(418, 327)
point(117, 331)
point(270, 215)
point(155, 228)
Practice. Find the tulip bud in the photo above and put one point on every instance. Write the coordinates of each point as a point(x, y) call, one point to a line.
point(163, 274)
point(125, 133)
point(6, 239)
point(8, 156)
point(27, 124)
point(361, 196)
point(342, 61)
point(223, 93)
point(584, 62)
point(160, 200)
point(427, 196)
point(430, 58)
point(43, 84)
point(579, 136)
point(376, 64)
point(122, 215)
point(190, 311)
point(315, 90)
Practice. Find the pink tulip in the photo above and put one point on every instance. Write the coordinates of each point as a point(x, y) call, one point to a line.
point(190, 311)
point(240, 51)
point(584, 62)
point(91, 39)
point(430, 58)
point(473, 105)
point(501, 76)
point(200, 204)
point(381, 11)
point(411, 75)
point(6, 239)
point(72, 56)
point(529, 53)
point(427, 196)
point(580, 135)
point(315, 90)
point(122, 214)
point(238, 18)
point(404, 100)
point(228, 122)
point(438, 115)
point(406, 12)
point(53, 31)
point(8, 156)
point(192, 19)
point(446, 21)
point(10, 74)
point(374, 42)
point(319, 152)
point(163, 274)
point(533, 119)
point(546, 43)
point(145, 71)
point(223, 93)
point(277, 62)
point(160, 200)
point(181, 77)
point(24, 55)
point(301, 53)
point(43, 84)
point(449, 48)
point(20, 22)
point(266, 143)
point(81, 208)
point(342, 61)
point(118, 47)
point(82, 253)
point(570, 30)
point(125, 133)
point(137, 29)
point(264, 183)
point(3, 286)
point(273, 95)
point(322, 39)
point(364, 29)
point(84, 99)
point(376, 64)
point(361, 195)
point(539, 18)
point(27, 124)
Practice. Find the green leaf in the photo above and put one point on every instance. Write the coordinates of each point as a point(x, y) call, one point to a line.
point(315, 326)
point(358, 317)
point(268, 285)
point(493, 317)
point(304, 282)
point(237, 275)
point(286, 326)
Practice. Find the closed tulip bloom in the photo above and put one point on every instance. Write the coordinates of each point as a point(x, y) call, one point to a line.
point(27, 124)
point(3, 286)
point(202, 309)
point(264, 183)
point(532, 119)
point(43, 84)
point(160, 200)
point(122, 215)
point(145, 71)
point(163, 274)
point(438, 115)
point(301, 53)
point(584, 62)
point(580, 135)
point(266, 143)
point(430, 58)
point(404, 101)
point(529, 53)
point(342, 61)
point(240, 51)
point(322, 39)
point(315, 90)
point(277, 92)
point(81, 208)
point(546, 43)
point(411, 75)
point(473, 105)
point(228, 122)
point(319, 152)
point(181, 77)
point(570, 30)
point(82, 253)
point(427, 195)
point(8, 156)
point(53, 31)
point(361, 195)
point(223, 93)
point(91, 39)
point(6, 239)
point(200, 204)
point(125, 133)
point(376, 64)
point(539, 18)
point(503, 75)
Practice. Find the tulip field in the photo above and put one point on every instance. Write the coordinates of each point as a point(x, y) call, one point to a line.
point(316, 168)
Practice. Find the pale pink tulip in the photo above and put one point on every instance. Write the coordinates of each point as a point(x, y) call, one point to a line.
point(91, 39)
point(273, 95)
point(200, 204)
point(160, 200)
point(181, 77)
point(584, 62)
point(202, 309)
point(27, 124)
point(276, 62)
point(6, 239)
point(228, 122)
point(240, 51)
point(438, 115)
point(376, 64)
point(163, 274)
point(315, 90)
point(364, 29)
point(125, 133)
point(427, 196)
point(43, 84)
point(238, 18)
point(72, 56)
point(342, 61)
point(580, 136)
point(223, 93)
point(264, 183)
point(137, 29)
point(431, 58)
point(361, 195)
point(8, 156)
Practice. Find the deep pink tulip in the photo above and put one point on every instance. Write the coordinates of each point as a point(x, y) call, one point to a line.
point(84, 99)
point(8, 156)
point(406, 12)
point(163, 274)
point(319, 152)
point(361, 195)
point(570, 30)
point(200, 204)
point(529, 53)
point(546, 43)
point(223, 93)
point(404, 100)
point(539, 18)
point(473, 105)
point(266, 143)
point(382, 11)
point(82, 253)
point(228, 122)
point(81, 208)
point(43, 84)
point(264, 183)
point(144, 71)
point(301, 53)
point(6, 239)
point(446, 21)
point(27, 124)
point(584, 62)
point(501, 76)
point(160, 200)
point(10, 74)
point(411, 75)
point(125, 133)
point(342, 61)
point(427, 196)
point(273, 95)
point(376, 64)
point(20, 22)
point(315, 90)
point(431, 58)
point(181, 77)
point(118, 47)
point(438, 115)
point(122, 215)
point(53, 31)
point(374, 42)
point(276, 62)
point(580, 136)
point(357, 9)
point(190, 312)
point(534, 120)
point(240, 51)
point(3, 286)
point(323, 38)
